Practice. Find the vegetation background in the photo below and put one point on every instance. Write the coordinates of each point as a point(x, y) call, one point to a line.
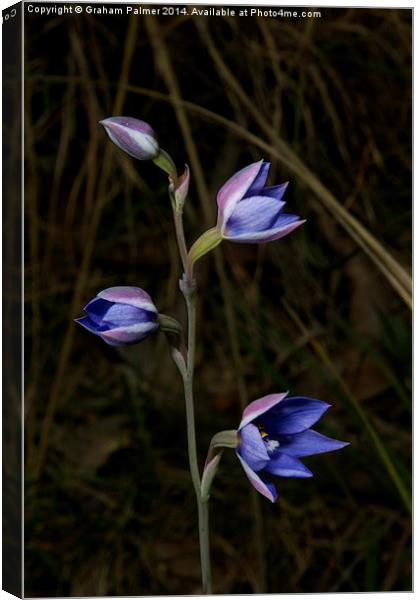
point(110, 508)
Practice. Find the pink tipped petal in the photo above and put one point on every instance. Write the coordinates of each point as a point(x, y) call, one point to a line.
point(259, 407)
point(287, 466)
point(269, 235)
point(234, 190)
point(129, 295)
point(130, 334)
point(266, 489)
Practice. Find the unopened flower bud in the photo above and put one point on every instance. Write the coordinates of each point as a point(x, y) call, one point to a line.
point(136, 138)
point(121, 316)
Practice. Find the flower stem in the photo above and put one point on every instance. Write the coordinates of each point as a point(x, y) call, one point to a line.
point(204, 546)
point(180, 236)
point(188, 288)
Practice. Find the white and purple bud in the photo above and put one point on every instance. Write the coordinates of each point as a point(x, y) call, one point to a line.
point(136, 138)
point(121, 316)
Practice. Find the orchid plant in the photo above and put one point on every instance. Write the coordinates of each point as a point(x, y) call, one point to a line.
point(275, 430)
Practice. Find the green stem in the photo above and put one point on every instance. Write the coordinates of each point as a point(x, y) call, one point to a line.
point(204, 546)
point(180, 236)
point(188, 288)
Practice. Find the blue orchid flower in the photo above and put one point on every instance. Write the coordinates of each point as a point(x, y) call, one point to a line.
point(249, 212)
point(275, 433)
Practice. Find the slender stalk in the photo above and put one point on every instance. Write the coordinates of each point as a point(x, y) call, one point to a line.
point(188, 288)
point(188, 385)
point(180, 236)
point(204, 546)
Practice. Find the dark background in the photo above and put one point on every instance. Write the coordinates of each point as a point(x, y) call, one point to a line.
point(325, 312)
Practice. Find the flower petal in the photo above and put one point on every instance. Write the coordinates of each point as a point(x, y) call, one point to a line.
point(259, 181)
point(251, 447)
point(130, 334)
point(234, 190)
point(270, 235)
point(265, 488)
point(308, 443)
point(254, 214)
point(293, 415)
point(128, 294)
point(88, 324)
point(274, 191)
point(123, 315)
point(259, 407)
point(97, 309)
point(287, 466)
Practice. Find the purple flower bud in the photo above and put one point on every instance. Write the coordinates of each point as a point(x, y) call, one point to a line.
point(274, 433)
point(250, 212)
point(121, 316)
point(133, 136)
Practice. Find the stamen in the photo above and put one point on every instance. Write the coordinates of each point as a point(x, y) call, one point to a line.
point(272, 445)
point(261, 430)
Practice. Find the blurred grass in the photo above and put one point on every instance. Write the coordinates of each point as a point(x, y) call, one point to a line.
point(110, 509)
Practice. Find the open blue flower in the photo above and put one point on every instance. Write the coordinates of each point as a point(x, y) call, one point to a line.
point(121, 316)
point(274, 433)
point(250, 212)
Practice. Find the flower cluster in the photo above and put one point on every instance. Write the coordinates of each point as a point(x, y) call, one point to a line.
point(275, 431)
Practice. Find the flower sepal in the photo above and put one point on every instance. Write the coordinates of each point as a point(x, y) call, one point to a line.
point(223, 439)
point(178, 190)
point(220, 441)
point(169, 324)
point(164, 161)
point(179, 360)
point(204, 244)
